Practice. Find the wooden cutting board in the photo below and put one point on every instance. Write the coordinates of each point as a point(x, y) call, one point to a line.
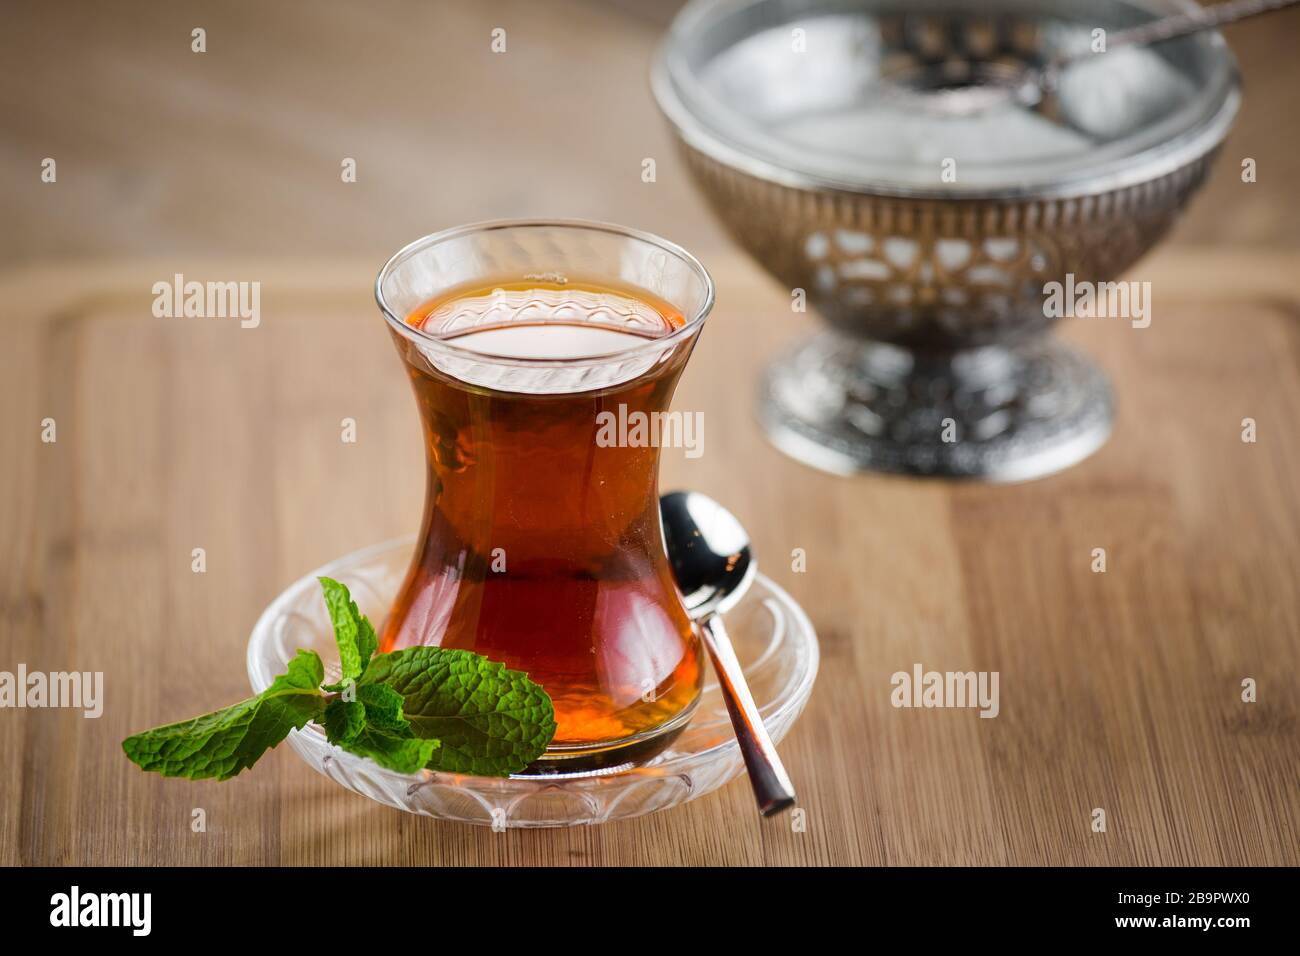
point(1119, 691)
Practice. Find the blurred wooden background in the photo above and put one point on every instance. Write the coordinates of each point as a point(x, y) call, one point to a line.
point(1119, 690)
point(237, 151)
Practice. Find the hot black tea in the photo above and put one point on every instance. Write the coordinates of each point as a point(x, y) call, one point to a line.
point(541, 544)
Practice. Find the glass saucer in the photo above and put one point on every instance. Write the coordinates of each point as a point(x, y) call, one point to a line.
point(774, 641)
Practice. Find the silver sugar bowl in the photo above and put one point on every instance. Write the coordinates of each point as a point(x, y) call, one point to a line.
point(924, 237)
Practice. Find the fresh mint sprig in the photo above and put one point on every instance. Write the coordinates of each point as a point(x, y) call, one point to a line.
point(419, 707)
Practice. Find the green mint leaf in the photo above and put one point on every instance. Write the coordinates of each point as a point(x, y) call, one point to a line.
point(384, 709)
point(491, 721)
point(403, 754)
point(344, 720)
point(305, 673)
point(352, 631)
point(372, 726)
point(227, 741)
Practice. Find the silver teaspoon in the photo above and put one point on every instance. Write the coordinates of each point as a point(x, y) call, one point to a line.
point(993, 84)
point(711, 560)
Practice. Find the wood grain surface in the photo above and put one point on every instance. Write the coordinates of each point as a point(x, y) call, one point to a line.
point(1119, 690)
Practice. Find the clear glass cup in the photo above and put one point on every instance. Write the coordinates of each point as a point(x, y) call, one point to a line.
point(540, 544)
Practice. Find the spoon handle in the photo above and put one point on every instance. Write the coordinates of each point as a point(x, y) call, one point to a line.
point(1181, 24)
point(767, 776)
point(1165, 28)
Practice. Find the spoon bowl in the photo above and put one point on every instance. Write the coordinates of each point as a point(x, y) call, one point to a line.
point(708, 550)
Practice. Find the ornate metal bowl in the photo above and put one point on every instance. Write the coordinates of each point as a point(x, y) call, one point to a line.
point(926, 240)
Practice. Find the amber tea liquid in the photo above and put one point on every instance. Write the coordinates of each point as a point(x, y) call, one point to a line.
point(541, 546)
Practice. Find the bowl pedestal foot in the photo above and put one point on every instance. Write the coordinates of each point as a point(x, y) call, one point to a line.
point(998, 413)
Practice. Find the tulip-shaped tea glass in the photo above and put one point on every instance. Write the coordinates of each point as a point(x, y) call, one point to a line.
point(543, 356)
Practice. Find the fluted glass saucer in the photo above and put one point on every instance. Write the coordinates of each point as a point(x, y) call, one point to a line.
point(774, 641)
